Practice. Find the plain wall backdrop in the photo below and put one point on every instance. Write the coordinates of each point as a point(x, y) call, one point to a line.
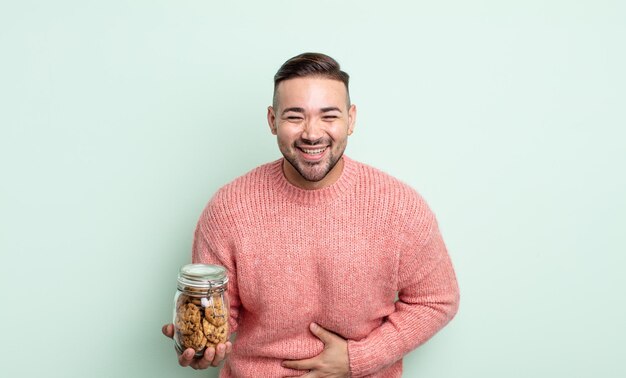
point(120, 119)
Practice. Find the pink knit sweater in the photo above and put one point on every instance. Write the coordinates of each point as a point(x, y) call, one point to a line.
point(336, 256)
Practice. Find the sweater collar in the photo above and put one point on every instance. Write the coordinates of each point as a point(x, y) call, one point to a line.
point(313, 196)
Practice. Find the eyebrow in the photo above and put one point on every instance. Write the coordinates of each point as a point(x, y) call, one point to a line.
point(297, 110)
point(331, 109)
point(301, 110)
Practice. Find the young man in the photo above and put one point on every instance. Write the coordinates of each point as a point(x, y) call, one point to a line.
point(317, 246)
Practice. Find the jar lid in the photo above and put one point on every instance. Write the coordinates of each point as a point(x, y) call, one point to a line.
point(202, 275)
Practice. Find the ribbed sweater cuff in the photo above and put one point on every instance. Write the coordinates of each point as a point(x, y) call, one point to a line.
point(369, 356)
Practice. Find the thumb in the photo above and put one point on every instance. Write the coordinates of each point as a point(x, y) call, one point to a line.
point(168, 330)
point(321, 333)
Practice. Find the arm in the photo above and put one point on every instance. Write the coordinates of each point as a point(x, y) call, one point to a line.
point(428, 298)
point(209, 247)
point(213, 245)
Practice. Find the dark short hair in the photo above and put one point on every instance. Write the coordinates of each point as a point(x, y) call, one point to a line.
point(311, 65)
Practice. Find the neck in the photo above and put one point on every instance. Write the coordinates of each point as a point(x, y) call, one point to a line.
point(292, 175)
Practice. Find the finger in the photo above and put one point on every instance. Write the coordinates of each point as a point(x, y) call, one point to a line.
point(186, 357)
point(229, 347)
point(322, 334)
point(220, 352)
point(307, 364)
point(168, 330)
point(206, 359)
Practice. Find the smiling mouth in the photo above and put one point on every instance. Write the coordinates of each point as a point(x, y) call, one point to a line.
point(313, 151)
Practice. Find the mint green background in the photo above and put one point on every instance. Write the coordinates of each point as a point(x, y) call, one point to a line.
point(120, 119)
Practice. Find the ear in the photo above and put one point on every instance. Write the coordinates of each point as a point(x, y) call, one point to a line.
point(271, 119)
point(351, 118)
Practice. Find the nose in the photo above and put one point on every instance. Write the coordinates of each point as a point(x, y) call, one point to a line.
point(312, 130)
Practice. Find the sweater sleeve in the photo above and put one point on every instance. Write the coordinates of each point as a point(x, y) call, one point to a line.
point(428, 298)
point(213, 245)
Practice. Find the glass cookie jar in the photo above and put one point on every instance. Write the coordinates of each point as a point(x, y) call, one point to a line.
point(200, 308)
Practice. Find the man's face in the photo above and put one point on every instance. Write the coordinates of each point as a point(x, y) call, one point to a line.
point(312, 121)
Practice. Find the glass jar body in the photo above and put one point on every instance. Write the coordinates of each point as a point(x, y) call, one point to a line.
point(200, 314)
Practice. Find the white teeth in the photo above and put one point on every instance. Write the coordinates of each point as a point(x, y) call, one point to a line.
point(313, 152)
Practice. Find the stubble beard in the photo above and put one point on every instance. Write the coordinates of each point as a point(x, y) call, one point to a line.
point(313, 171)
